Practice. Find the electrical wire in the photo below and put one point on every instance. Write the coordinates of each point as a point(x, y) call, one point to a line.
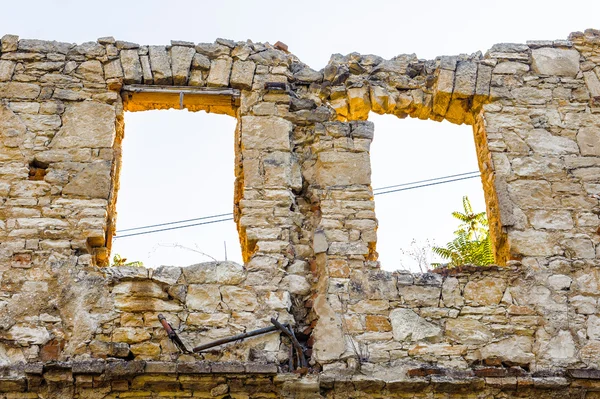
point(426, 185)
point(430, 182)
point(177, 222)
point(425, 181)
point(173, 228)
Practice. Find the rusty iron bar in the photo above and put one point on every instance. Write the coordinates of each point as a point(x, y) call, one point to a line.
point(172, 334)
point(292, 337)
point(235, 338)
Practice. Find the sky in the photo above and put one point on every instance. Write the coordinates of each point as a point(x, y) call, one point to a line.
point(179, 165)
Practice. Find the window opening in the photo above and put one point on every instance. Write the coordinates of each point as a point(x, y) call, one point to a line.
point(411, 220)
point(177, 165)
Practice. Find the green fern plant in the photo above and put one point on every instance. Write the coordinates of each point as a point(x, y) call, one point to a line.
point(118, 260)
point(471, 245)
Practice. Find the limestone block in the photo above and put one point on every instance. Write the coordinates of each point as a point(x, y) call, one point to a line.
point(44, 46)
point(593, 327)
point(451, 293)
point(166, 274)
point(6, 70)
point(266, 133)
point(485, 292)
point(19, 90)
point(146, 70)
point(468, 331)
point(559, 348)
point(86, 124)
point(28, 335)
point(146, 349)
point(539, 167)
point(578, 246)
point(517, 350)
point(348, 248)
point(220, 69)
point(214, 273)
point(134, 304)
point(91, 71)
point(203, 297)
point(160, 63)
point(531, 193)
point(236, 298)
point(382, 102)
point(212, 50)
point(181, 62)
point(584, 304)
point(555, 61)
point(242, 74)
point(132, 68)
point(213, 320)
point(590, 354)
point(484, 77)
point(296, 284)
point(409, 326)
point(532, 243)
point(12, 128)
point(9, 43)
point(593, 83)
point(196, 78)
point(511, 68)
point(140, 289)
point(555, 220)
point(359, 103)
point(200, 61)
point(279, 300)
point(40, 123)
point(442, 91)
point(543, 142)
point(130, 335)
point(343, 169)
point(588, 139)
point(417, 296)
point(113, 69)
point(532, 95)
point(94, 181)
point(465, 79)
point(328, 334)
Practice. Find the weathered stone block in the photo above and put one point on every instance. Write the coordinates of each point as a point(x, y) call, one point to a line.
point(407, 325)
point(343, 169)
point(86, 124)
point(160, 63)
point(132, 68)
point(220, 69)
point(555, 61)
point(266, 133)
point(181, 62)
point(484, 292)
point(203, 297)
point(236, 298)
point(242, 74)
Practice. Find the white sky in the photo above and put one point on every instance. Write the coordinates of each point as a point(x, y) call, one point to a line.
point(179, 165)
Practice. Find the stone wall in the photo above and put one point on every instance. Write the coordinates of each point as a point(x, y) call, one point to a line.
point(307, 223)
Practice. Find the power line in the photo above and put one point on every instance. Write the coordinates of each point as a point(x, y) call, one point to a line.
point(427, 185)
point(177, 222)
point(173, 228)
point(425, 181)
point(430, 182)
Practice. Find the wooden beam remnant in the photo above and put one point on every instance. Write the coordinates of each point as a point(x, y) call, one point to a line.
point(209, 99)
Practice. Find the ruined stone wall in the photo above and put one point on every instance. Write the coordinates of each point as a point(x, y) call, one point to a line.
point(307, 223)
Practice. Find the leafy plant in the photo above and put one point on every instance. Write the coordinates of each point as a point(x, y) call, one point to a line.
point(471, 244)
point(120, 261)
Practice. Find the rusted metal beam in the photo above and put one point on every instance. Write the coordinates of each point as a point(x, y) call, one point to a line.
point(235, 338)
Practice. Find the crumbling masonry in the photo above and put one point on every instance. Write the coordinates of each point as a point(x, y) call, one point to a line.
point(70, 327)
